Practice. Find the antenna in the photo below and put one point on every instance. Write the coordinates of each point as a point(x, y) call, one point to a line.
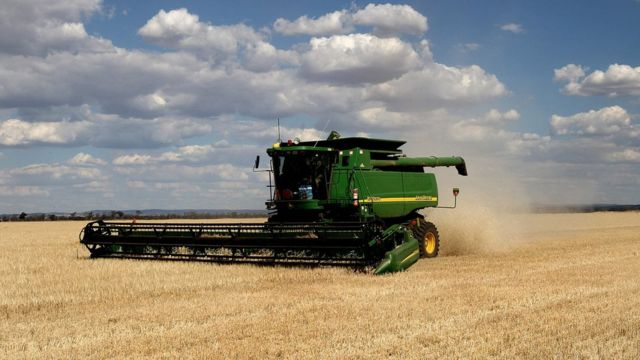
point(323, 130)
point(279, 139)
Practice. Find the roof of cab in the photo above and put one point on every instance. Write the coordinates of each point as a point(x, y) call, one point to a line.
point(352, 142)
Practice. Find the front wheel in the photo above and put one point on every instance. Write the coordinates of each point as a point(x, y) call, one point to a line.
point(427, 235)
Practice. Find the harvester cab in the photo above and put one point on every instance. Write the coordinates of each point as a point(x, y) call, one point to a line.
point(351, 201)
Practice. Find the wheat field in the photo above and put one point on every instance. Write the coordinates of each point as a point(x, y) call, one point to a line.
point(558, 286)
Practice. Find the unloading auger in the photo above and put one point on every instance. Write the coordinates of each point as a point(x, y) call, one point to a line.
point(341, 201)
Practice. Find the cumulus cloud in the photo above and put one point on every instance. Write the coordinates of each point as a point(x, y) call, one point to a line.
point(606, 121)
point(69, 79)
point(15, 132)
point(133, 159)
point(617, 80)
point(570, 72)
point(329, 77)
point(147, 172)
point(337, 22)
point(512, 27)
point(385, 19)
point(631, 155)
point(358, 58)
point(39, 27)
point(188, 153)
point(467, 47)
point(179, 29)
point(102, 131)
point(85, 159)
point(604, 135)
point(21, 191)
point(47, 174)
point(489, 130)
point(388, 19)
point(439, 85)
point(227, 150)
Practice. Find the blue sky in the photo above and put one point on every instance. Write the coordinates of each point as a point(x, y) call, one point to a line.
point(164, 104)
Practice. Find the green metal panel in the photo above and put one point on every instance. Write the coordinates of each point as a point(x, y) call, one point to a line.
point(396, 193)
point(401, 257)
point(421, 189)
point(383, 190)
point(302, 204)
point(340, 189)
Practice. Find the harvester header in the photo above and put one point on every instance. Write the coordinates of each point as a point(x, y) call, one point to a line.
point(352, 201)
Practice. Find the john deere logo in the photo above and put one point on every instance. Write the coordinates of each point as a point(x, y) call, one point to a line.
point(426, 198)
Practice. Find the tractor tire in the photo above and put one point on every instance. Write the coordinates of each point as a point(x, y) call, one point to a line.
point(427, 235)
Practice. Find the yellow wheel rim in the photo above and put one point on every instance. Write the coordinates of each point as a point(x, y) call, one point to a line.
point(429, 243)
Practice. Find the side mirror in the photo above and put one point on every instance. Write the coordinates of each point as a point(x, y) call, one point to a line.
point(257, 163)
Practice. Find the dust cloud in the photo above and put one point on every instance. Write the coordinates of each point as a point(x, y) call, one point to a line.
point(488, 219)
point(476, 229)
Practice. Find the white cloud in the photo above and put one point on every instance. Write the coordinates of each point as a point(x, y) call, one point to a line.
point(438, 85)
point(388, 19)
point(617, 80)
point(69, 79)
point(136, 169)
point(380, 118)
point(133, 159)
point(136, 184)
point(175, 24)
point(333, 23)
point(85, 159)
point(612, 120)
point(153, 99)
point(358, 58)
point(15, 132)
point(597, 136)
point(47, 174)
point(629, 155)
point(489, 131)
point(179, 29)
point(39, 27)
point(224, 150)
point(188, 153)
point(496, 118)
point(262, 56)
point(570, 72)
point(101, 131)
point(469, 47)
point(22, 191)
point(512, 27)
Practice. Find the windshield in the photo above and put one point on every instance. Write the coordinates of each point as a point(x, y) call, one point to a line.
point(302, 175)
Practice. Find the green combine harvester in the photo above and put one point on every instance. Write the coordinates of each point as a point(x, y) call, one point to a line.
point(341, 201)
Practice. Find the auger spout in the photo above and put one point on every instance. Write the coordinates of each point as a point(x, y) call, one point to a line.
point(431, 161)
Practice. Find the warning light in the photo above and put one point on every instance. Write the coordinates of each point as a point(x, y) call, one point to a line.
point(456, 191)
point(355, 197)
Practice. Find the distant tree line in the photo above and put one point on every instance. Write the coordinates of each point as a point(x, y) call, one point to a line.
point(119, 215)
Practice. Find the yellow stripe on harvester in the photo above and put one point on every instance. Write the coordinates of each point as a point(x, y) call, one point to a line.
point(410, 256)
point(399, 199)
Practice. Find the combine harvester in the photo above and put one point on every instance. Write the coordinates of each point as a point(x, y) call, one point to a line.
point(341, 201)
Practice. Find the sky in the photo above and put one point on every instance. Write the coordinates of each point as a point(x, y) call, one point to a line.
point(165, 104)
